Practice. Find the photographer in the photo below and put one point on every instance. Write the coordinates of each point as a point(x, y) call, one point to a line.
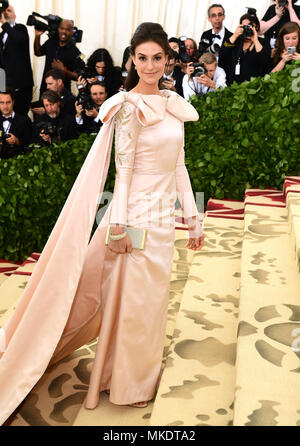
point(245, 55)
point(276, 16)
point(126, 64)
point(173, 42)
point(205, 78)
point(101, 64)
point(61, 53)
point(287, 47)
point(16, 129)
point(55, 82)
point(214, 37)
point(15, 59)
point(191, 48)
point(55, 126)
point(87, 119)
point(172, 77)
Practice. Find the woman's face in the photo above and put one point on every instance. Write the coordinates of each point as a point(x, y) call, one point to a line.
point(100, 68)
point(291, 39)
point(150, 60)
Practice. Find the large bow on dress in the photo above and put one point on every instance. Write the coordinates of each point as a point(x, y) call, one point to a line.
point(46, 314)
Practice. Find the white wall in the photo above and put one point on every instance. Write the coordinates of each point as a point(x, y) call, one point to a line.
point(111, 23)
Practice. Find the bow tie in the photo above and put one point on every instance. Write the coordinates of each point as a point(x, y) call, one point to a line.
point(7, 119)
point(216, 36)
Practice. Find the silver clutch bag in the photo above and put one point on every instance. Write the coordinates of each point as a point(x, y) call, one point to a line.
point(137, 236)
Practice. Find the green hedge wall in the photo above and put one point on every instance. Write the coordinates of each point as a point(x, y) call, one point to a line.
point(33, 190)
point(247, 136)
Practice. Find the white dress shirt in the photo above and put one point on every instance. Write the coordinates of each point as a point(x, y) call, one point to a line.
point(191, 87)
point(221, 34)
point(7, 124)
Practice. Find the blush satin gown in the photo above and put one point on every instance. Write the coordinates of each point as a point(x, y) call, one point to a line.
point(80, 289)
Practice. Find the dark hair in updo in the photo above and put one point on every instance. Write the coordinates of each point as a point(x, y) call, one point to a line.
point(146, 32)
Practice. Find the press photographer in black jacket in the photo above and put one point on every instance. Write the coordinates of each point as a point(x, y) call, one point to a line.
point(244, 54)
point(61, 53)
point(15, 129)
point(101, 63)
point(55, 126)
point(88, 105)
point(15, 59)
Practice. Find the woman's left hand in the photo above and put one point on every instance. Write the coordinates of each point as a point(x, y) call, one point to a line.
point(196, 236)
point(196, 243)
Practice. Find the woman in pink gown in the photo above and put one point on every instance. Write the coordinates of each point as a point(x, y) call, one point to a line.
point(79, 289)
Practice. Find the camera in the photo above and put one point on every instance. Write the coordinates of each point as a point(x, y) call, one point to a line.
point(248, 32)
point(86, 101)
point(183, 55)
point(84, 98)
point(206, 47)
point(50, 129)
point(51, 26)
point(87, 73)
point(282, 3)
point(199, 69)
point(291, 49)
point(3, 5)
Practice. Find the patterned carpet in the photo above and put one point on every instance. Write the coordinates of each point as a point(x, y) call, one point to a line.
point(232, 347)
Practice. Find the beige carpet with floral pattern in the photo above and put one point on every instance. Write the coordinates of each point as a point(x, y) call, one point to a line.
point(232, 346)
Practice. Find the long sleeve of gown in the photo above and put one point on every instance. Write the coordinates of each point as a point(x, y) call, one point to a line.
point(184, 188)
point(126, 134)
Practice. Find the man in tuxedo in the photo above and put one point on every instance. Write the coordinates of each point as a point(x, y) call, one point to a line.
point(88, 121)
point(61, 53)
point(173, 75)
point(54, 126)
point(15, 128)
point(218, 34)
point(15, 59)
point(55, 82)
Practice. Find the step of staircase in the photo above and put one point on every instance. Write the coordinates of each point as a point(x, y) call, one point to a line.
point(292, 194)
point(13, 286)
point(233, 328)
point(197, 385)
point(6, 268)
point(267, 367)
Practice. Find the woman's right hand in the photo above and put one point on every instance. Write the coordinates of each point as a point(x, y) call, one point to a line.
point(119, 246)
point(279, 10)
point(237, 33)
point(286, 57)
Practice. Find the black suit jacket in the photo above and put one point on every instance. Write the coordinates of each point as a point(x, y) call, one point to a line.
point(65, 124)
point(21, 127)
point(178, 76)
point(208, 35)
point(15, 56)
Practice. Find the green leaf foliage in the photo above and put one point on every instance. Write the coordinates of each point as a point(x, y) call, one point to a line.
point(33, 190)
point(247, 136)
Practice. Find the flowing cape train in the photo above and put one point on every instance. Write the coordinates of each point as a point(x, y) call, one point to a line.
point(58, 312)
